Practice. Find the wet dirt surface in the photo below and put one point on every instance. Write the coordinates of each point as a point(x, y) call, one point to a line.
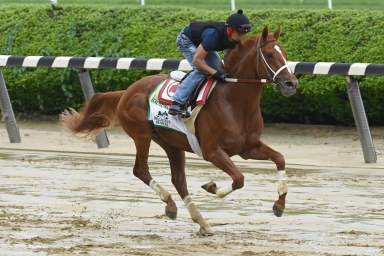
point(62, 203)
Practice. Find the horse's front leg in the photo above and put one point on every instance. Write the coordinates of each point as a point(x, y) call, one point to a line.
point(264, 152)
point(221, 160)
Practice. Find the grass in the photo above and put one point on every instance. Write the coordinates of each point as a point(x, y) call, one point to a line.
point(212, 4)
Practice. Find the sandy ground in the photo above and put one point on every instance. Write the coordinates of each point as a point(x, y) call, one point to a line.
point(63, 196)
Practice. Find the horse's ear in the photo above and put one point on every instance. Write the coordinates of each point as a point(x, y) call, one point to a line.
point(265, 33)
point(277, 33)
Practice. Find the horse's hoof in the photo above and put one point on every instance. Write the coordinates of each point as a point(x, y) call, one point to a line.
point(171, 215)
point(207, 231)
point(210, 187)
point(278, 210)
point(171, 210)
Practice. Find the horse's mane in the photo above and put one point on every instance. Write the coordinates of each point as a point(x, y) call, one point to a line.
point(234, 56)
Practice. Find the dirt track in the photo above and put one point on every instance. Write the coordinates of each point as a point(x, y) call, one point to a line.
point(73, 199)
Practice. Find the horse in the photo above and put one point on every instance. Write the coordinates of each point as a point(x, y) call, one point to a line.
point(230, 123)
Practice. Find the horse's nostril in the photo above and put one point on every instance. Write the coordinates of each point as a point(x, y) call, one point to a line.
point(289, 84)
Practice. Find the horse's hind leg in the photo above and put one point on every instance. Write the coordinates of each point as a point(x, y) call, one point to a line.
point(141, 171)
point(177, 162)
point(132, 111)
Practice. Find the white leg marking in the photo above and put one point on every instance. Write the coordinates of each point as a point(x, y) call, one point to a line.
point(282, 187)
point(164, 194)
point(196, 216)
point(222, 192)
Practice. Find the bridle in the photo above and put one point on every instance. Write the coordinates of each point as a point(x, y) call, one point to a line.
point(272, 74)
point(270, 70)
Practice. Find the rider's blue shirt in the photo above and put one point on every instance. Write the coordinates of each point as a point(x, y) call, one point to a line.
point(209, 38)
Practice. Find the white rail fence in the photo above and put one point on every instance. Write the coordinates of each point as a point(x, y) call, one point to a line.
point(84, 64)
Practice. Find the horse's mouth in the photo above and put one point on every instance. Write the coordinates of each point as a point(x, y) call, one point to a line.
point(287, 88)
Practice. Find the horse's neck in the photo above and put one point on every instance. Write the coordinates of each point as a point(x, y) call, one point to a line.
point(241, 63)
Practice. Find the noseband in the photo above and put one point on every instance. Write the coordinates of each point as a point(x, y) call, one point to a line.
point(259, 52)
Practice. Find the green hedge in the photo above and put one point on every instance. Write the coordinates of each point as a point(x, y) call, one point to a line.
point(339, 36)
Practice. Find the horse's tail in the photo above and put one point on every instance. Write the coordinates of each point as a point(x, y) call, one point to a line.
point(98, 113)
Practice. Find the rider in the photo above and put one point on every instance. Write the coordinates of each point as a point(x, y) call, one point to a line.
point(199, 42)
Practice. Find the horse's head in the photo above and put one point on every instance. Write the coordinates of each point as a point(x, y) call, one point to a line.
point(271, 63)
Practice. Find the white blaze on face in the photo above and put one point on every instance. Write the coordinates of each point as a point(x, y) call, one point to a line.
point(278, 49)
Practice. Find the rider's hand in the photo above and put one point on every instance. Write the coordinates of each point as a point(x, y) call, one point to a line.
point(220, 75)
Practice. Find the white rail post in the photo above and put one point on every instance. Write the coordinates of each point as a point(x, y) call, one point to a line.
point(233, 5)
point(330, 5)
point(9, 116)
point(88, 91)
point(361, 121)
point(142, 2)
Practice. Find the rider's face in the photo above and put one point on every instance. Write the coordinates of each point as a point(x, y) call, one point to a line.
point(236, 36)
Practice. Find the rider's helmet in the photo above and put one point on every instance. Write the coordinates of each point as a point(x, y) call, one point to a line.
point(239, 22)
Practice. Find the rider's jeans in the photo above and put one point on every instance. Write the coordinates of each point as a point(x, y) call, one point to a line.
point(188, 49)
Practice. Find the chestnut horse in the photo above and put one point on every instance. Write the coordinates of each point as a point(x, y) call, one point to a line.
point(229, 124)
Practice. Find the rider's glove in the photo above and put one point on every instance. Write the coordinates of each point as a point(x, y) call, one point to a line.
point(220, 75)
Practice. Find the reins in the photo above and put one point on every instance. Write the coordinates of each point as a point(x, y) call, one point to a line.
point(260, 54)
point(247, 81)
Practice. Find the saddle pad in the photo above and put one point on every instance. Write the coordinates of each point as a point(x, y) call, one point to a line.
point(158, 115)
point(169, 87)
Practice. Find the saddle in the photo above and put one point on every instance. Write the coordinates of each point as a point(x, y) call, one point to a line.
point(170, 85)
point(160, 100)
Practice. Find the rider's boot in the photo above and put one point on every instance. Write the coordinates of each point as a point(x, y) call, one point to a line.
point(176, 109)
